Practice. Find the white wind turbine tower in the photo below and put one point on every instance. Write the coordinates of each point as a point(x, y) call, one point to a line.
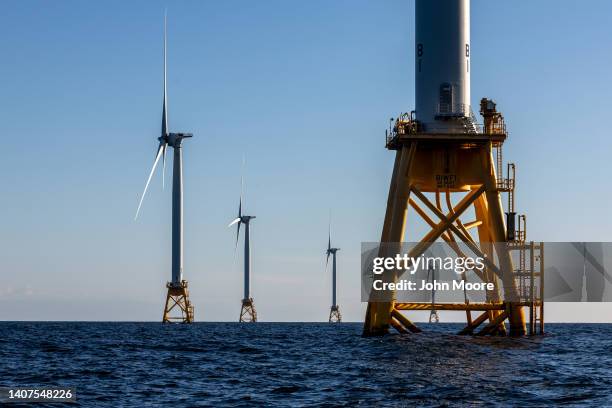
point(247, 311)
point(177, 298)
point(334, 314)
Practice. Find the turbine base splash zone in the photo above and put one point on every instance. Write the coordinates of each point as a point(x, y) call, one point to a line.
point(334, 315)
point(247, 311)
point(178, 307)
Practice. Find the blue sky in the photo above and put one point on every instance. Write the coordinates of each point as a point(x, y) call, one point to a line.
point(304, 90)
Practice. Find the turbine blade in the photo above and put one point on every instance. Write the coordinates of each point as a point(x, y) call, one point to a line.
point(164, 126)
point(159, 151)
point(329, 234)
point(241, 186)
point(237, 236)
point(164, 166)
point(241, 192)
point(239, 218)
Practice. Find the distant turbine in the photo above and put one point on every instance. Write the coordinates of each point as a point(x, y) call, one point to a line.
point(177, 296)
point(247, 311)
point(334, 314)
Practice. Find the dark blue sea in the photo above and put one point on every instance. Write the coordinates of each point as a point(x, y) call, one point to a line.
point(306, 364)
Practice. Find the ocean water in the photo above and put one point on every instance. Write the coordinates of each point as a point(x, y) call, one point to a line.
point(306, 364)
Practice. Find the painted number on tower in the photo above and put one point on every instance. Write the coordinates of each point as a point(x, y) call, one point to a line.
point(446, 180)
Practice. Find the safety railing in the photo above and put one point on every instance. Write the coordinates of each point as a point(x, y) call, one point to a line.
point(505, 184)
point(454, 110)
point(405, 124)
point(495, 128)
point(460, 111)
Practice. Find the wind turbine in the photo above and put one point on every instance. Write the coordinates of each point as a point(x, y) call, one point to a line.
point(178, 295)
point(247, 311)
point(334, 314)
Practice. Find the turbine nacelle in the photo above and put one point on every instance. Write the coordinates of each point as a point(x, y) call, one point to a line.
point(331, 251)
point(174, 139)
point(245, 219)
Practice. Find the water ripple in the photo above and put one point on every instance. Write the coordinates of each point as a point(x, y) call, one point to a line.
point(307, 364)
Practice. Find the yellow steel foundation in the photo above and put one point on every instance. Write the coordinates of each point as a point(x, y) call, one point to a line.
point(334, 315)
point(247, 311)
point(450, 165)
point(178, 308)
